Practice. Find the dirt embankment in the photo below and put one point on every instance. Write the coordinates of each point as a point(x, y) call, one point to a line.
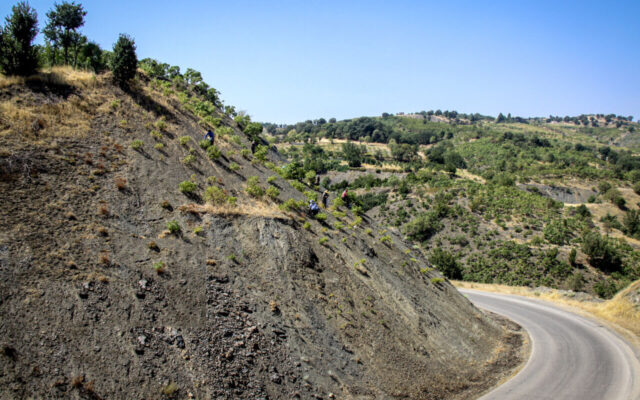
point(99, 300)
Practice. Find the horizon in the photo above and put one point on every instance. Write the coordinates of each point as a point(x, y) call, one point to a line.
point(285, 62)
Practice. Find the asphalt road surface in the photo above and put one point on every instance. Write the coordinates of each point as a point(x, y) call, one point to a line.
point(572, 357)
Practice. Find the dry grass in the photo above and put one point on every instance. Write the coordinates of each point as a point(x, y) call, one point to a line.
point(620, 312)
point(61, 75)
point(65, 118)
point(256, 209)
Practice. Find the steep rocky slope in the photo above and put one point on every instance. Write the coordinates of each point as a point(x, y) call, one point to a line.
point(99, 300)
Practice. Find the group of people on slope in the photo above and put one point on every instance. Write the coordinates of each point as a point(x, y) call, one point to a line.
point(313, 206)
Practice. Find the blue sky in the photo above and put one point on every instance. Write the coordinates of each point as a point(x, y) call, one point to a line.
point(295, 60)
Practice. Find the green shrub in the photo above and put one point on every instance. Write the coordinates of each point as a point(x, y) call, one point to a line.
point(188, 160)
point(214, 152)
point(306, 225)
point(446, 262)
point(155, 134)
point(184, 140)
point(436, 281)
point(423, 226)
point(173, 226)
point(161, 124)
point(298, 186)
point(572, 257)
point(357, 210)
point(273, 192)
point(158, 146)
point(261, 153)
point(187, 187)
point(246, 153)
point(323, 240)
point(386, 239)
point(204, 144)
point(636, 187)
point(601, 252)
point(339, 214)
point(290, 204)
point(338, 225)
point(215, 195)
point(137, 144)
point(159, 267)
point(321, 217)
point(337, 203)
point(272, 179)
point(311, 195)
point(253, 188)
point(234, 166)
point(198, 230)
point(557, 232)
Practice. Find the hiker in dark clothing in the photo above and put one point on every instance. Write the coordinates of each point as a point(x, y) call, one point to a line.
point(325, 198)
point(313, 208)
point(253, 146)
point(210, 136)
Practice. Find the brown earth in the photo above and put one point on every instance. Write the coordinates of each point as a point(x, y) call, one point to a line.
point(98, 300)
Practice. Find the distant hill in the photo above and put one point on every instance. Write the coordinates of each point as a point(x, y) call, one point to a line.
point(536, 202)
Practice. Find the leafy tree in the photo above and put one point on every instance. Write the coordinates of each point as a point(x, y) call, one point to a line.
point(125, 60)
point(352, 153)
point(423, 226)
point(253, 130)
point(17, 55)
point(500, 118)
point(631, 222)
point(601, 252)
point(446, 263)
point(93, 57)
point(64, 21)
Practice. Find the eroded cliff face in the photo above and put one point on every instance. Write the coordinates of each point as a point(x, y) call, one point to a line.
point(99, 300)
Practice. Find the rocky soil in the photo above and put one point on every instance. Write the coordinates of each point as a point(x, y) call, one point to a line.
point(254, 305)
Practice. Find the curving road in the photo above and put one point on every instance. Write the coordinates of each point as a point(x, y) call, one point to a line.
point(572, 357)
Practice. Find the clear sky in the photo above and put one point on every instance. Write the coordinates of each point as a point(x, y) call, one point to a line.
point(289, 61)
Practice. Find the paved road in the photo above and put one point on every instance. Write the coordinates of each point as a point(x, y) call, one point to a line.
point(572, 357)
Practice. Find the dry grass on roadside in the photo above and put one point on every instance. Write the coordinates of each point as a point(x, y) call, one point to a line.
point(61, 75)
point(619, 311)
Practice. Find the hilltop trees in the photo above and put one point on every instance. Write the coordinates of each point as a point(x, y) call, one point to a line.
point(61, 31)
point(125, 60)
point(17, 55)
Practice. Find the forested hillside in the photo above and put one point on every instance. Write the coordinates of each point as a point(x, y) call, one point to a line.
point(536, 201)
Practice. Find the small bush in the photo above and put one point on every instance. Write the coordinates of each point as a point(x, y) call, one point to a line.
point(339, 214)
point(311, 195)
point(321, 217)
point(323, 240)
point(159, 267)
point(337, 202)
point(184, 140)
point(158, 146)
point(187, 187)
point(156, 135)
point(246, 153)
point(357, 210)
point(204, 144)
point(253, 188)
point(161, 124)
point(232, 200)
point(306, 225)
point(435, 281)
point(137, 144)
point(188, 160)
point(338, 225)
point(234, 166)
point(272, 179)
point(215, 195)
point(273, 192)
point(174, 227)
point(298, 186)
point(214, 152)
point(386, 239)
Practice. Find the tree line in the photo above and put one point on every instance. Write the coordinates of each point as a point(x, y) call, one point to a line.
point(64, 44)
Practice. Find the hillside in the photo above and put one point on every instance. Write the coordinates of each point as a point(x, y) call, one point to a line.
point(534, 202)
point(139, 262)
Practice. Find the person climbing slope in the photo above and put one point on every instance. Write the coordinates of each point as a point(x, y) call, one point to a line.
point(325, 198)
point(210, 136)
